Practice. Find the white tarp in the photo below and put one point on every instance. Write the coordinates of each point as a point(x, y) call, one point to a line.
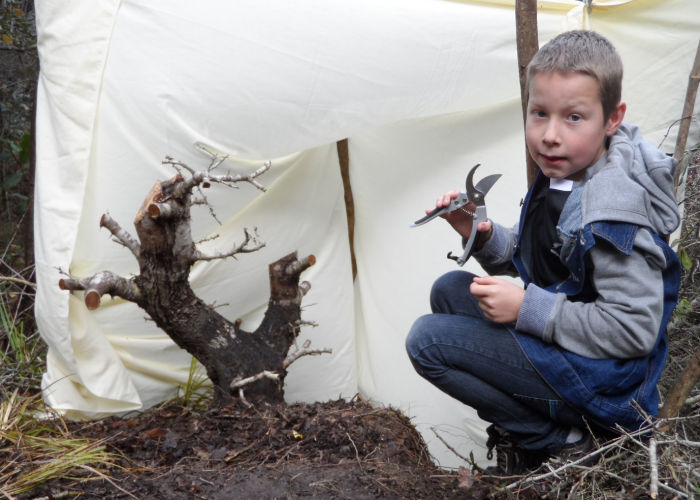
point(423, 89)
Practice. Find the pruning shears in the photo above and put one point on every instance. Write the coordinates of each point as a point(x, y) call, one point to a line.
point(471, 202)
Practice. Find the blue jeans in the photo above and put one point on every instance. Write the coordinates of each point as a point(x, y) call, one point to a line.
point(479, 363)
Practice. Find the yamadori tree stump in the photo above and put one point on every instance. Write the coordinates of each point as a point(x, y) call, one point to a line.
point(235, 359)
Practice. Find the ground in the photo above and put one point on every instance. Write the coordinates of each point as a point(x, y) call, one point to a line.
point(335, 449)
point(351, 449)
point(187, 449)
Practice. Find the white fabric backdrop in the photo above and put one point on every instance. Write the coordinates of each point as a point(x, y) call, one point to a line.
point(424, 89)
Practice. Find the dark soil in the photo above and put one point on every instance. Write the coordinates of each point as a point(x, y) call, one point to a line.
point(336, 449)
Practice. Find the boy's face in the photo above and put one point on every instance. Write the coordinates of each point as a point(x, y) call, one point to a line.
point(564, 129)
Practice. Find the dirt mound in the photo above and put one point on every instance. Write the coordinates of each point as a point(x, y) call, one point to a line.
point(335, 449)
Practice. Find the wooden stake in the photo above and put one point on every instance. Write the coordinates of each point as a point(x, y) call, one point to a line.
point(344, 160)
point(688, 106)
point(527, 46)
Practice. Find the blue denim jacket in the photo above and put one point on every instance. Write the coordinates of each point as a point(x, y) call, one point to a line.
point(609, 391)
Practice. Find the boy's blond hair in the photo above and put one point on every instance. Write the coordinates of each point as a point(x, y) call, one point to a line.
point(587, 52)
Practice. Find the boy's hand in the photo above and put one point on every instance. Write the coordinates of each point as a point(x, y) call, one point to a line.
point(461, 220)
point(499, 299)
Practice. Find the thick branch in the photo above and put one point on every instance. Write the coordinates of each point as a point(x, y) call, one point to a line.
point(284, 278)
point(280, 326)
point(101, 283)
point(121, 235)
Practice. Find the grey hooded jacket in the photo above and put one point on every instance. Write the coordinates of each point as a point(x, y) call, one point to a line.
point(631, 183)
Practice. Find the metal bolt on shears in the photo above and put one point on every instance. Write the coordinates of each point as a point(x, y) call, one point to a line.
point(474, 195)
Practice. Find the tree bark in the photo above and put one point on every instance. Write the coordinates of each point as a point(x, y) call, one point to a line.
point(234, 358)
point(676, 397)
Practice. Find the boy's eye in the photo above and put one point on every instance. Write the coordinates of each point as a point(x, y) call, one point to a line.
point(540, 114)
point(574, 117)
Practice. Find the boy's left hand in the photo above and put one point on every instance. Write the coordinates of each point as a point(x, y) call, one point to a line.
point(499, 299)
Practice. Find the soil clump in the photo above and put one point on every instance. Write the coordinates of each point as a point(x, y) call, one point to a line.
point(336, 449)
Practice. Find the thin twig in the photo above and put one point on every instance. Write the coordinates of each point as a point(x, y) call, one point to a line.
point(250, 239)
point(18, 280)
point(357, 453)
point(291, 358)
point(448, 446)
point(237, 383)
point(108, 479)
point(654, 469)
point(585, 458)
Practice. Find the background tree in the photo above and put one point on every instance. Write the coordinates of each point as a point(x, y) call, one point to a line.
point(19, 66)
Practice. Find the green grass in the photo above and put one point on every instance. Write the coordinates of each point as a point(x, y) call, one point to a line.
point(197, 391)
point(22, 352)
point(36, 447)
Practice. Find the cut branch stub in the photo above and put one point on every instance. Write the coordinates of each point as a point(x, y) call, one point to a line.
point(299, 266)
point(101, 283)
point(122, 236)
point(284, 276)
point(156, 210)
point(92, 299)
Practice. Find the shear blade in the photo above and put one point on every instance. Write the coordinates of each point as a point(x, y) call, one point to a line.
point(485, 184)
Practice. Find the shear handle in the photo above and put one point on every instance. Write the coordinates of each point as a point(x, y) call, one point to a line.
point(479, 216)
point(458, 202)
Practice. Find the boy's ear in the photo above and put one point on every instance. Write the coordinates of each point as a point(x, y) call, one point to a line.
point(615, 119)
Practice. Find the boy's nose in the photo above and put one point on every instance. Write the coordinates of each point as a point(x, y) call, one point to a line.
point(551, 133)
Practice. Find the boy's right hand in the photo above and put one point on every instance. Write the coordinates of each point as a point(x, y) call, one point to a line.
point(462, 220)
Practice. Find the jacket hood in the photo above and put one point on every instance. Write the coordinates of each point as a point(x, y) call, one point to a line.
point(632, 182)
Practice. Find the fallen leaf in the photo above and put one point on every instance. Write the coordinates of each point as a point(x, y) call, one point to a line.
point(465, 478)
point(157, 433)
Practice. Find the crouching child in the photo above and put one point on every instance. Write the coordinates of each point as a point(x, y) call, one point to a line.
point(582, 346)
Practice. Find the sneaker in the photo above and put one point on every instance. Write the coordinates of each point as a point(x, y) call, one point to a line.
point(510, 459)
point(575, 451)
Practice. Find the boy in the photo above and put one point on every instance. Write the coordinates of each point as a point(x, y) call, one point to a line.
point(582, 346)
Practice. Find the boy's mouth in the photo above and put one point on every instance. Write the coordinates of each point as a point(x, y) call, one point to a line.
point(552, 160)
